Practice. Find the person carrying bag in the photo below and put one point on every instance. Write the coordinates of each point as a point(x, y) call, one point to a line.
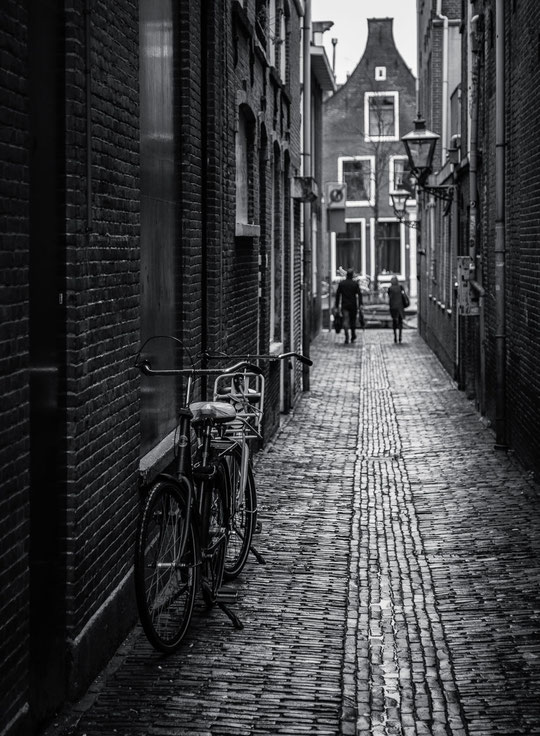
point(349, 303)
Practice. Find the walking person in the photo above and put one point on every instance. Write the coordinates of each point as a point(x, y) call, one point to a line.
point(349, 302)
point(397, 301)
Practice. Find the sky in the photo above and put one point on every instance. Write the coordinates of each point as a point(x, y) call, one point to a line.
point(350, 28)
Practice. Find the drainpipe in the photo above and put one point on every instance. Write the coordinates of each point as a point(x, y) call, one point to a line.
point(500, 247)
point(306, 165)
point(474, 58)
point(473, 148)
point(444, 107)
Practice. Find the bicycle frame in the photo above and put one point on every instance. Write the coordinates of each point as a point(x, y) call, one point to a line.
point(183, 466)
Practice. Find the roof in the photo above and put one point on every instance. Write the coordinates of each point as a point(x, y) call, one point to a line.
point(320, 67)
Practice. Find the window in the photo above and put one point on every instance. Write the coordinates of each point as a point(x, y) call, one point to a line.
point(261, 21)
point(349, 247)
point(400, 175)
point(358, 173)
point(242, 171)
point(273, 31)
point(389, 247)
point(244, 149)
point(381, 119)
point(380, 73)
point(282, 43)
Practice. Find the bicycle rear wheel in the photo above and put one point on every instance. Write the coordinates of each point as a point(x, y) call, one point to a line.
point(243, 515)
point(166, 571)
point(215, 510)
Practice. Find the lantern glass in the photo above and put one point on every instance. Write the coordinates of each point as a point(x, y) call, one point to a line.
point(399, 203)
point(420, 148)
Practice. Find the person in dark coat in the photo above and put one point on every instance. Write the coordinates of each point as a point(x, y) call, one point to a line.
point(396, 300)
point(349, 299)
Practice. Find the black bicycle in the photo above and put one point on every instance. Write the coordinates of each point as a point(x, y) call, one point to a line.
point(185, 521)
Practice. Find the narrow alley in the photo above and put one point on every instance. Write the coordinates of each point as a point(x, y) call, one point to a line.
point(400, 593)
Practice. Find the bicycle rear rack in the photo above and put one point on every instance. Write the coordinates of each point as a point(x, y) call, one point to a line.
point(245, 391)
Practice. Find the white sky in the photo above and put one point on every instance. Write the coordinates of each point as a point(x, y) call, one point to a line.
point(350, 28)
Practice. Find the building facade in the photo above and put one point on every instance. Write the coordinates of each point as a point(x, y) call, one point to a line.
point(479, 271)
point(363, 123)
point(148, 172)
point(439, 103)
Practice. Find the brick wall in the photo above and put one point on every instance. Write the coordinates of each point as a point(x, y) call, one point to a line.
point(344, 131)
point(102, 323)
point(14, 421)
point(95, 292)
point(522, 297)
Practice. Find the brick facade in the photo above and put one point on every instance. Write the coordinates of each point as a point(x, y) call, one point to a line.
point(493, 353)
point(14, 382)
point(118, 190)
point(345, 134)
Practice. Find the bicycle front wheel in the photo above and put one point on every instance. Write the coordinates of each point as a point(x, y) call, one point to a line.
point(166, 571)
point(243, 514)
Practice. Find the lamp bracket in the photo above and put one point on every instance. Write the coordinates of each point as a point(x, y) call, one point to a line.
point(444, 192)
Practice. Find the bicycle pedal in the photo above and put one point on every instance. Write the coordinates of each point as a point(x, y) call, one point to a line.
point(258, 528)
point(227, 596)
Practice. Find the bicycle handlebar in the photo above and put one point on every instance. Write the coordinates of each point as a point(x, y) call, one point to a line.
point(280, 356)
point(244, 365)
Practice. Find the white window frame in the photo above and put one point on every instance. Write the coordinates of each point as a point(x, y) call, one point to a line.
point(375, 138)
point(370, 202)
point(363, 250)
point(411, 202)
point(402, 247)
point(380, 73)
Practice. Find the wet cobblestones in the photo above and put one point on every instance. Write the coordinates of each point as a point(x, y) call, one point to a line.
point(400, 593)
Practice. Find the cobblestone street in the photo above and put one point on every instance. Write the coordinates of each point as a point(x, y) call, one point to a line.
point(400, 593)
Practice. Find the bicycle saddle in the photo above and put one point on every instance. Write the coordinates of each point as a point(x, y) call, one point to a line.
point(217, 411)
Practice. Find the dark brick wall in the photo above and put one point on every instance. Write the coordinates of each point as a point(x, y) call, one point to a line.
point(14, 358)
point(522, 224)
point(220, 300)
point(518, 425)
point(102, 311)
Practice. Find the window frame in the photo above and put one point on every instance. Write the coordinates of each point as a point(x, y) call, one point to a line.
point(370, 202)
point(363, 246)
point(402, 245)
point(392, 177)
point(368, 138)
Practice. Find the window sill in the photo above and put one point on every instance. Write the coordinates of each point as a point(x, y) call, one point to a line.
point(159, 457)
point(276, 348)
point(245, 230)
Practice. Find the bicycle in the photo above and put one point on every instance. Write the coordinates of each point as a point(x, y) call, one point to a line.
point(244, 390)
point(184, 524)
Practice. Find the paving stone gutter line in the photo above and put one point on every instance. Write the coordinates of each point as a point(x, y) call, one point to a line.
point(400, 593)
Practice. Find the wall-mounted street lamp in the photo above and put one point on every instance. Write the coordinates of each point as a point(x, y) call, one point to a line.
point(420, 148)
point(399, 204)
